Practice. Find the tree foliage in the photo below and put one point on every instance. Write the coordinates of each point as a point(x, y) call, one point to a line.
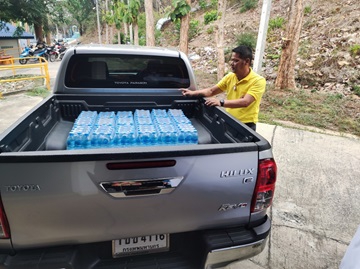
point(180, 9)
point(80, 10)
point(32, 12)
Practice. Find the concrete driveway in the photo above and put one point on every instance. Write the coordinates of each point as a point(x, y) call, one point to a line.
point(315, 211)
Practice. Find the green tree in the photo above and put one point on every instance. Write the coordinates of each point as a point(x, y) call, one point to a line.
point(58, 17)
point(181, 11)
point(133, 13)
point(31, 12)
point(80, 10)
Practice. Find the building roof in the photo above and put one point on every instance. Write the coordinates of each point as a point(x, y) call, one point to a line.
point(8, 31)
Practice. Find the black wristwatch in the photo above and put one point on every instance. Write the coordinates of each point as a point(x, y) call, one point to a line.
point(222, 102)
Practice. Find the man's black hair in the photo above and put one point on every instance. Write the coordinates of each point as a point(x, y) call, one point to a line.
point(244, 52)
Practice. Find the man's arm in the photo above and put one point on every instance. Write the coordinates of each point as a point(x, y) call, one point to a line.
point(207, 92)
point(245, 101)
point(242, 102)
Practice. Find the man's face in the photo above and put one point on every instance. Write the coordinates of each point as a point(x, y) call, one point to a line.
point(236, 63)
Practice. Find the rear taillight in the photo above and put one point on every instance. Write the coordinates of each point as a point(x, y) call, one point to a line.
point(265, 186)
point(4, 225)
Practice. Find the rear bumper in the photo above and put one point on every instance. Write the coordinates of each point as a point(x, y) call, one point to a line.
point(230, 245)
point(193, 250)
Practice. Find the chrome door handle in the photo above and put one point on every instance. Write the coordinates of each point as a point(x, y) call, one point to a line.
point(141, 187)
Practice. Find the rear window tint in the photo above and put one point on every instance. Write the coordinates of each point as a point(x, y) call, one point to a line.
point(126, 71)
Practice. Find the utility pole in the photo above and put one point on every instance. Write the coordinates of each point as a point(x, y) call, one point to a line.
point(261, 40)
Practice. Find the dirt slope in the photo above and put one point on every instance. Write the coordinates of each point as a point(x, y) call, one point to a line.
point(324, 60)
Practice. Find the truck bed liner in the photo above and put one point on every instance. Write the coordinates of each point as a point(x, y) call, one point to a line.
point(47, 128)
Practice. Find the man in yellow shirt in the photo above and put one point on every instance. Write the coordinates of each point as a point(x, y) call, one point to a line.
point(243, 87)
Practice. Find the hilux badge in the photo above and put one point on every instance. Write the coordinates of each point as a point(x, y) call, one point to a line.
point(234, 173)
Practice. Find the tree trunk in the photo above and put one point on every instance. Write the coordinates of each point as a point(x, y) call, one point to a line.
point(220, 39)
point(38, 32)
point(111, 34)
point(150, 28)
point(286, 74)
point(107, 26)
point(184, 31)
point(136, 34)
point(131, 33)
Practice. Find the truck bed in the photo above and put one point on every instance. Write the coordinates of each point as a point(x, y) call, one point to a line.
point(46, 127)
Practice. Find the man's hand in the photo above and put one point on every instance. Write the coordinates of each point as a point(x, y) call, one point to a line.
point(186, 92)
point(212, 102)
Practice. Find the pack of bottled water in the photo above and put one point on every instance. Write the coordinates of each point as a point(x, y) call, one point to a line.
point(126, 129)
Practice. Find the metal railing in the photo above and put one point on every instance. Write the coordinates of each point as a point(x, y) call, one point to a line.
point(8, 68)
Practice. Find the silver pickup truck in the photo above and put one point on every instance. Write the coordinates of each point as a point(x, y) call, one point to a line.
point(146, 205)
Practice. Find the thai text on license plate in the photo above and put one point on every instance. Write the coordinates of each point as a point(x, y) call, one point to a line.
point(140, 245)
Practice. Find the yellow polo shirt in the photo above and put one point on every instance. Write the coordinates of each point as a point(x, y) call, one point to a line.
point(252, 84)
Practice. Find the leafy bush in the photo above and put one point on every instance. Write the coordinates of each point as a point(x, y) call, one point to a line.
point(203, 4)
point(194, 28)
point(248, 39)
point(210, 16)
point(214, 3)
point(248, 4)
point(276, 23)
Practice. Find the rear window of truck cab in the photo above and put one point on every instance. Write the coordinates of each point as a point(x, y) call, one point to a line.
point(126, 71)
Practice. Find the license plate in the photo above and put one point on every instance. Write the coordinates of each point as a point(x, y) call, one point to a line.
point(140, 245)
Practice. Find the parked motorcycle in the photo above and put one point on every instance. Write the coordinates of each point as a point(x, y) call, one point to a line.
point(33, 52)
point(57, 53)
point(27, 52)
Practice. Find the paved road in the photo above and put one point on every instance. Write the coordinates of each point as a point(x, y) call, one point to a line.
point(316, 209)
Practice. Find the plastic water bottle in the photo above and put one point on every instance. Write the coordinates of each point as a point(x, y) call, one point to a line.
point(86, 118)
point(70, 142)
point(144, 121)
point(102, 136)
point(167, 134)
point(147, 135)
point(78, 137)
point(140, 113)
point(124, 114)
point(105, 121)
point(125, 135)
point(107, 114)
point(187, 134)
point(159, 113)
point(125, 121)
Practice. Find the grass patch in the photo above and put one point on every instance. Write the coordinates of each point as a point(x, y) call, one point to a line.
point(311, 108)
point(355, 50)
point(276, 23)
point(356, 90)
point(39, 91)
point(248, 5)
point(307, 10)
point(210, 16)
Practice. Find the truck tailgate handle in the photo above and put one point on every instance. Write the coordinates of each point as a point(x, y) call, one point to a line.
point(141, 187)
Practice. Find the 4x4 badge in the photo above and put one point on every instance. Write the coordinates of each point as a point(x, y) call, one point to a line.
point(226, 207)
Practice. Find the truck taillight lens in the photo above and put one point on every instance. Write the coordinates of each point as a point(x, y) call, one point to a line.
point(265, 186)
point(4, 225)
